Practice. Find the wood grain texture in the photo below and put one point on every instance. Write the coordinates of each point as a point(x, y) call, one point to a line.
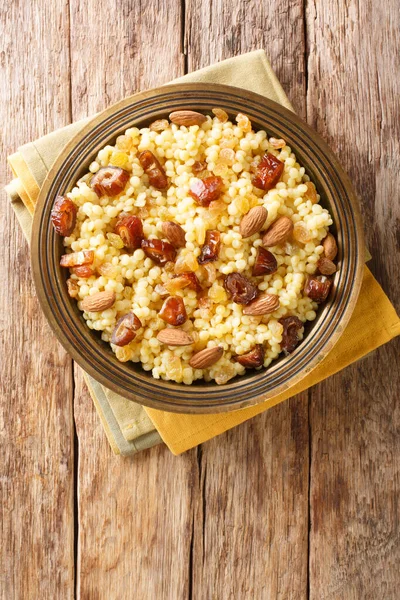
point(251, 516)
point(135, 516)
point(134, 539)
point(251, 519)
point(219, 29)
point(355, 419)
point(37, 520)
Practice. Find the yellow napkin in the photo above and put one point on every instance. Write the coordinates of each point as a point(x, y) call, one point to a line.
point(127, 425)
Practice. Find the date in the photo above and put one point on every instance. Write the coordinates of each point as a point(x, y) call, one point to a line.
point(76, 259)
point(268, 172)
point(242, 290)
point(265, 263)
point(252, 359)
point(206, 190)
point(159, 251)
point(211, 247)
point(63, 215)
point(125, 329)
point(109, 181)
point(130, 230)
point(290, 335)
point(317, 287)
point(153, 169)
point(173, 311)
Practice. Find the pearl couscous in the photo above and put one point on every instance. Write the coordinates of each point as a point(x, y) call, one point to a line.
point(189, 158)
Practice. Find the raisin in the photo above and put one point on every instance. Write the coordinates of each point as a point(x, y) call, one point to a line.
point(125, 329)
point(159, 251)
point(317, 288)
point(252, 359)
point(153, 169)
point(186, 279)
point(63, 215)
point(268, 172)
point(130, 230)
point(221, 115)
point(173, 311)
point(109, 181)
point(76, 259)
point(265, 263)
point(290, 338)
point(206, 190)
point(242, 290)
point(210, 250)
point(83, 271)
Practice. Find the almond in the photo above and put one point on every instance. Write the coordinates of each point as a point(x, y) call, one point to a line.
point(187, 118)
point(326, 266)
point(330, 247)
point(253, 221)
point(263, 305)
point(278, 232)
point(174, 234)
point(98, 302)
point(205, 358)
point(174, 337)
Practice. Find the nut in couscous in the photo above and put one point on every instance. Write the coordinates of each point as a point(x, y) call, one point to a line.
point(197, 247)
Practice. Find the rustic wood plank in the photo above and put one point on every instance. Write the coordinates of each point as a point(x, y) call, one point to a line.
point(135, 517)
point(353, 92)
point(35, 373)
point(219, 29)
point(251, 515)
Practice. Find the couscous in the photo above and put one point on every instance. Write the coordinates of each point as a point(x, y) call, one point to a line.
point(197, 247)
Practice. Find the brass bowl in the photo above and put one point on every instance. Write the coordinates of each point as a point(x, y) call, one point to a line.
point(129, 379)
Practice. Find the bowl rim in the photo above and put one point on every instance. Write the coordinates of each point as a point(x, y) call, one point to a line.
point(47, 297)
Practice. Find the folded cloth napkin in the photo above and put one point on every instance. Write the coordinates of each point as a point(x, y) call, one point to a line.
point(131, 427)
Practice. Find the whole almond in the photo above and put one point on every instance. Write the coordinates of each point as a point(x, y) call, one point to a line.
point(174, 337)
point(174, 234)
point(278, 232)
point(326, 266)
point(263, 305)
point(330, 247)
point(98, 302)
point(253, 221)
point(187, 118)
point(205, 358)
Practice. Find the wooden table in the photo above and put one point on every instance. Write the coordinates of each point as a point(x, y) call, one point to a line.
point(301, 502)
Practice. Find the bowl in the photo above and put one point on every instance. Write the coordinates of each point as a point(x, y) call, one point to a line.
point(129, 379)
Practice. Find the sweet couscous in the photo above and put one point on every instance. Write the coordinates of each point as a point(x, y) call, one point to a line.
point(197, 247)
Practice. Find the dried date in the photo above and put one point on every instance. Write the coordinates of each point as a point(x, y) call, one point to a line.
point(130, 230)
point(63, 215)
point(76, 259)
point(125, 329)
point(265, 263)
point(268, 172)
point(242, 290)
point(159, 251)
point(317, 287)
point(173, 311)
point(109, 181)
point(206, 190)
point(211, 247)
point(290, 335)
point(252, 359)
point(153, 169)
